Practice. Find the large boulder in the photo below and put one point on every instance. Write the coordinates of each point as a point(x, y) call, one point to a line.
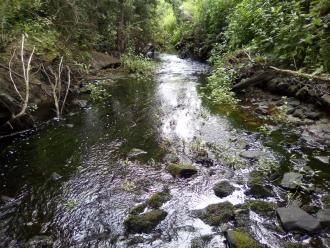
point(296, 219)
point(223, 189)
point(291, 180)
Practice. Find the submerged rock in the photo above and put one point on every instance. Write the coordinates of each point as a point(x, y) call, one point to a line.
point(144, 223)
point(40, 241)
point(201, 242)
point(256, 177)
point(80, 103)
point(138, 209)
point(239, 239)
point(295, 219)
point(263, 208)
point(154, 202)
point(181, 170)
point(323, 159)
point(55, 176)
point(313, 115)
point(250, 154)
point(324, 217)
point(291, 180)
point(135, 152)
point(223, 189)
point(216, 214)
point(259, 191)
point(325, 201)
point(207, 162)
point(158, 199)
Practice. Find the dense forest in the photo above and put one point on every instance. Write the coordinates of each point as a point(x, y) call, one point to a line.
point(165, 123)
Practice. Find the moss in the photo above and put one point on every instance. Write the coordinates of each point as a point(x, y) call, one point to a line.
point(325, 201)
point(223, 189)
point(244, 240)
point(144, 223)
point(256, 177)
point(262, 207)
point(138, 209)
point(158, 199)
point(181, 170)
point(239, 239)
point(217, 214)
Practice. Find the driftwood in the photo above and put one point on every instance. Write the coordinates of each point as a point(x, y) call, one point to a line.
point(255, 80)
point(300, 74)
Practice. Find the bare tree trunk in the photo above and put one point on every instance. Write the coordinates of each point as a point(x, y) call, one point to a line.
point(26, 68)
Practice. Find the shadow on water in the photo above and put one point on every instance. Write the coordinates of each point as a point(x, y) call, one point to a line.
point(73, 183)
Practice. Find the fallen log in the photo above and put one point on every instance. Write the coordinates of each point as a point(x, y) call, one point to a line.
point(300, 74)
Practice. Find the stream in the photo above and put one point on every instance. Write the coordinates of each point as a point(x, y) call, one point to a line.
point(73, 183)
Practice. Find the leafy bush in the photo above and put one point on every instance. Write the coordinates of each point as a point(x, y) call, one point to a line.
point(98, 92)
point(138, 64)
point(289, 32)
point(218, 89)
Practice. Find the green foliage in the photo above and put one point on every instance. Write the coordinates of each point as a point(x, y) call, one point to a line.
point(219, 84)
point(291, 32)
point(71, 204)
point(98, 92)
point(139, 65)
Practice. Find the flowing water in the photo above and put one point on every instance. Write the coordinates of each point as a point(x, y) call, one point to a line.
point(73, 184)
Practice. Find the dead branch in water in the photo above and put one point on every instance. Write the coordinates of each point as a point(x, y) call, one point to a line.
point(26, 73)
point(56, 86)
point(67, 89)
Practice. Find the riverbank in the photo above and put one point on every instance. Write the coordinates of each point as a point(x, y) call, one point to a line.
point(76, 85)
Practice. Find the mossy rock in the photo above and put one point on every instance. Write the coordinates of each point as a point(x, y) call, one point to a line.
point(217, 214)
point(259, 191)
point(182, 170)
point(256, 177)
point(138, 209)
point(223, 189)
point(325, 201)
point(158, 199)
point(239, 239)
point(144, 223)
point(262, 207)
